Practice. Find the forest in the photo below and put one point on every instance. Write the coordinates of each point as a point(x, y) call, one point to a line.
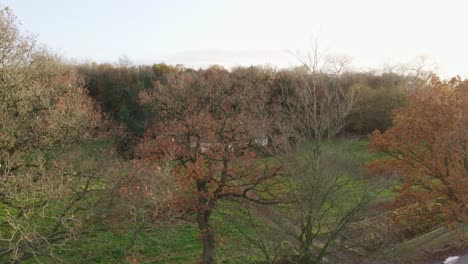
point(161, 163)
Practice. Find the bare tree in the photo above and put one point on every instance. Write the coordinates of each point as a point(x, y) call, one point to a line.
point(415, 73)
point(328, 195)
point(326, 186)
point(319, 104)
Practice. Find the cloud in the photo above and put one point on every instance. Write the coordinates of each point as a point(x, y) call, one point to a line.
point(230, 58)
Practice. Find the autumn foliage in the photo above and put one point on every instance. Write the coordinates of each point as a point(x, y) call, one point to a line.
point(207, 127)
point(44, 182)
point(427, 147)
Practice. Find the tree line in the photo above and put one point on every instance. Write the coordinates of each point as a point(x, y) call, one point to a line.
point(117, 89)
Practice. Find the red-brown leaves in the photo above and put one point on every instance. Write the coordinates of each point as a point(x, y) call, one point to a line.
point(146, 192)
point(207, 128)
point(428, 146)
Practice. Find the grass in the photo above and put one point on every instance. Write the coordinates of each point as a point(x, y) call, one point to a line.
point(180, 243)
point(177, 244)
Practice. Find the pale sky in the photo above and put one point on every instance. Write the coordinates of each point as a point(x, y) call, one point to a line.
point(199, 33)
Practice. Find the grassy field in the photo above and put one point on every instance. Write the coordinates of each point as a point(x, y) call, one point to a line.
point(177, 244)
point(180, 243)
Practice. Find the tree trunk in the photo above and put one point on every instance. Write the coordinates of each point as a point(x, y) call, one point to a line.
point(203, 219)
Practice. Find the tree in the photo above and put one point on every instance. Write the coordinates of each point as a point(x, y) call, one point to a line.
point(208, 127)
point(320, 178)
point(42, 107)
point(427, 148)
point(374, 107)
point(162, 71)
point(327, 193)
point(139, 197)
point(116, 89)
point(317, 105)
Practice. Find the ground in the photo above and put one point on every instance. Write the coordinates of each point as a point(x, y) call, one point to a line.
point(180, 243)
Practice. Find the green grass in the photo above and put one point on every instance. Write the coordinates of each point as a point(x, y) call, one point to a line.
point(180, 243)
point(355, 149)
point(177, 244)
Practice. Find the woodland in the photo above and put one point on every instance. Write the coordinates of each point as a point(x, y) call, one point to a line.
point(124, 163)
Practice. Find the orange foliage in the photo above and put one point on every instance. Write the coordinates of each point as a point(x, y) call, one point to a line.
point(215, 158)
point(207, 128)
point(428, 148)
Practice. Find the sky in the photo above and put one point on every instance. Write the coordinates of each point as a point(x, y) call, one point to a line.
point(200, 33)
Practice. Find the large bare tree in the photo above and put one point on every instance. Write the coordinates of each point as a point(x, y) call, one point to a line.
point(326, 186)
